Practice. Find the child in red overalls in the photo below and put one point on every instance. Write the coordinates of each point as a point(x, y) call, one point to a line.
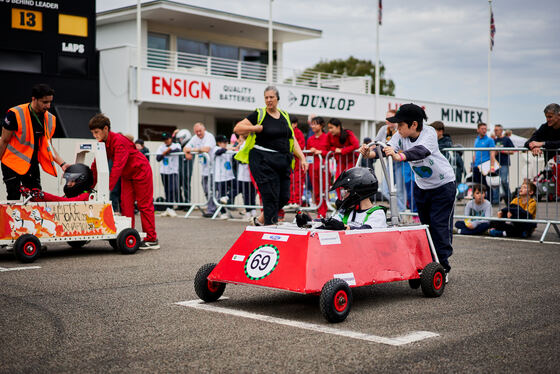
point(135, 173)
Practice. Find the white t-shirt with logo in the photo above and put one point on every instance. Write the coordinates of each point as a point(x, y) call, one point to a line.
point(243, 172)
point(433, 171)
point(223, 170)
point(170, 163)
point(207, 140)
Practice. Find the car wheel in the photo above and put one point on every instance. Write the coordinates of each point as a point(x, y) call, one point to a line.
point(128, 241)
point(433, 280)
point(27, 248)
point(207, 290)
point(78, 243)
point(336, 300)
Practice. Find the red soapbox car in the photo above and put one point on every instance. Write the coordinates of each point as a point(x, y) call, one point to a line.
point(324, 262)
point(329, 263)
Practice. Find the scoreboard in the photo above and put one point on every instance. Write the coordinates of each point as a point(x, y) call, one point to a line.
point(51, 42)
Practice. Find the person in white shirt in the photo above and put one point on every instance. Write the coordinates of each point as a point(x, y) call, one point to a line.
point(223, 172)
point(434, 190)
point(202, 143)
point(168, 155)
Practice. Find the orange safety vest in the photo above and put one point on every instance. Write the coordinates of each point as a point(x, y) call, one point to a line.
point(22, 144)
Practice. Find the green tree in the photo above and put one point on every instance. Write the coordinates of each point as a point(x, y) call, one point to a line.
point(355, 68)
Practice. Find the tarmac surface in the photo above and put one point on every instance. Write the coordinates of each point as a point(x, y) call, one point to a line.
point(95, 310)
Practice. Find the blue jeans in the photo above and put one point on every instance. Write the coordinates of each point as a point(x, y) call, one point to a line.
point(480, 229)
point(504, 180)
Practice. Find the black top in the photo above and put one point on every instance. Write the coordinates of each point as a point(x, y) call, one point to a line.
point(505, 142)
point(549, 135)
point(10, 123)
point(276, 133)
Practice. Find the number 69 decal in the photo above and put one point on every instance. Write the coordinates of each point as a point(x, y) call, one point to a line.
point(261, 262)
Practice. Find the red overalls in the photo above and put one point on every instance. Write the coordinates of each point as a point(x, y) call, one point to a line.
point(136, 181)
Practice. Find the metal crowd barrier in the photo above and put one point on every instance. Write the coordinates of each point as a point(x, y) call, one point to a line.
point(310, 190)
point(185, 189)
point(502, 185)
point(238, 192)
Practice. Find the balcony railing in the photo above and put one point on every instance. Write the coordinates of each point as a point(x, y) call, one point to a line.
point(223, 67)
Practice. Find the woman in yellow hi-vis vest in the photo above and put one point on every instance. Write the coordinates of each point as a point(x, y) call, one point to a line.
point(270, 150)
point(25, 144)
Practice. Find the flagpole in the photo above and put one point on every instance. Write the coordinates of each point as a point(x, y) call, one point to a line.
point(270, 46)
point(377, 67)
point(489, 56)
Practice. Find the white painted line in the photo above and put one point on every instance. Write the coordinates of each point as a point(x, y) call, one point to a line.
point(411, 337)
point(505, 238)
point(19, 268)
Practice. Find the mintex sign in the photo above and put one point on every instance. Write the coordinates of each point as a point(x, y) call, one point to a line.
point(179, 88)
point(450, 115)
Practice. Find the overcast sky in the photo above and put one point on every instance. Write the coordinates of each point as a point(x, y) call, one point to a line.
point(432, 50)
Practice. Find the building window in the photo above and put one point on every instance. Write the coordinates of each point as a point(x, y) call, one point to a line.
point(192, 54)
point(158, 50)
point(256, 67)
point(224, 67)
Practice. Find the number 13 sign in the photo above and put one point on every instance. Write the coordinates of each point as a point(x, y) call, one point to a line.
point(27, 19)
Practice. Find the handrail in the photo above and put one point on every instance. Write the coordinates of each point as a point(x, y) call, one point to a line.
point(217, 66)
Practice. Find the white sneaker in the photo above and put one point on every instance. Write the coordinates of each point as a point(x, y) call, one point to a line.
point(446, 278)
point(165, 213)
point(224, 216)
point(224, 200)
point(171, 212)
point(253, 213)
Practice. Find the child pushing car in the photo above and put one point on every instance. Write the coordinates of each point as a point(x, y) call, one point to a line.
point(434, 190)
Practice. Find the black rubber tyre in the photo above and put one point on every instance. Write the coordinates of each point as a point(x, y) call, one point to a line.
point(414, 283)
point(433, 280)
point(128, 241)
point(207, 291)
point(27, 248)
point(336, 300)
point(78, 244)
point(113, 243)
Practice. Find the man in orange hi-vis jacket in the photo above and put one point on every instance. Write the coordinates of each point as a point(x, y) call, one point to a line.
point(25, 144)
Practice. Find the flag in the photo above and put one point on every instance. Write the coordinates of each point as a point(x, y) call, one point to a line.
point(492, 28)
point(380, 13)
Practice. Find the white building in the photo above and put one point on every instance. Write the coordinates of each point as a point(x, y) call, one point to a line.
point(205, 65)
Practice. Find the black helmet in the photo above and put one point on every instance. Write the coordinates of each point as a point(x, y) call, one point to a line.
point(82, 175)
point(360, 184)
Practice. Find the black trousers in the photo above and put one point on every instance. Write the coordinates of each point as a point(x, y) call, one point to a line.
point(13, 180)
point(435, 208)
point(271, 172)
